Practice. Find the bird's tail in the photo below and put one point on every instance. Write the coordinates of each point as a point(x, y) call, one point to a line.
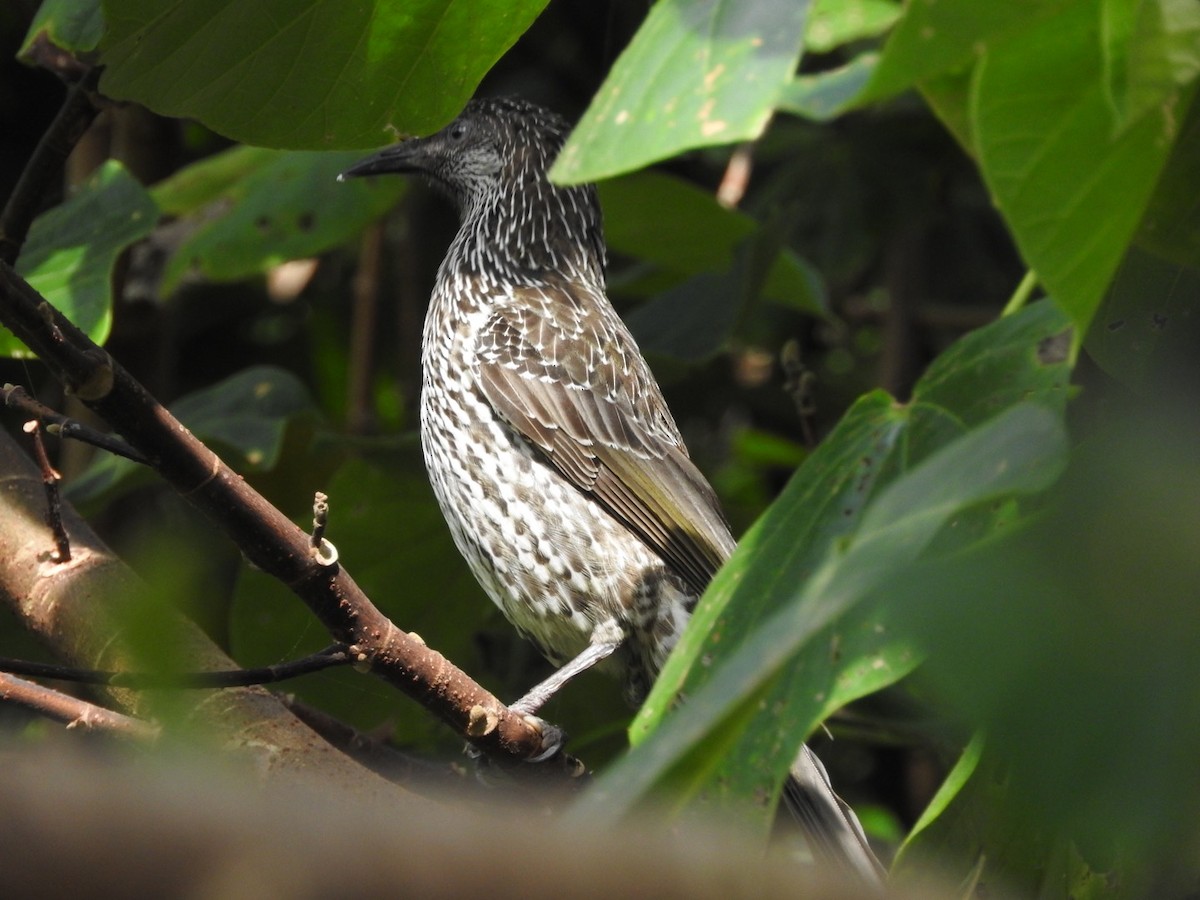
point(830, 826)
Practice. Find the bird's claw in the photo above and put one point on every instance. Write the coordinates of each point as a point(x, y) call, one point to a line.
point(553, 738)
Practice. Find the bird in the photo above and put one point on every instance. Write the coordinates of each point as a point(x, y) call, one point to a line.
point(562, 475)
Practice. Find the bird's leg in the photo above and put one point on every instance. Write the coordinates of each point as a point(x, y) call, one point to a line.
point(536, 698)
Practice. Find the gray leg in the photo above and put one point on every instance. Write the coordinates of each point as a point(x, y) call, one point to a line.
point(540, 693)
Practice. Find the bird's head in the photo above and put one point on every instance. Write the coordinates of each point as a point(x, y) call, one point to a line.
point(493, 145)
point(492, 160)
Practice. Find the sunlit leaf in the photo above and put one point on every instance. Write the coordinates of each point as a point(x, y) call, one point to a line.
point(71, 250)
point(697, 73)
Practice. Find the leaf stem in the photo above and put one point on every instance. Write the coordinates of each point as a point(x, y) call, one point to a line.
point(1021, 295)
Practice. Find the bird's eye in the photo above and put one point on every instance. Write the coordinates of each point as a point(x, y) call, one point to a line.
point(458, 132)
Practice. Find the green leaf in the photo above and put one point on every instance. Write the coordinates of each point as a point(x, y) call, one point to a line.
point(950, 788)
point(71, 250)
point(972, 831)
point(75, 26)
point(798, 586)
point(246, 414)
point(676, 226)
point(252, 209)
point(1171, 226)
point(934, 38)
point(832, 23)
point(826, 95)
point(244, 418)
point(1071, 189)
point(310, 74)
point(697, 73)
point(1150, 50)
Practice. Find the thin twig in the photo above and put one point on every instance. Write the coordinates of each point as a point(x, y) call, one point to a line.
point(17, 397)
point(72, 711)
point(50, 480)
point(45, 167)
point(799, 382)
point(333, 655)
point(736, 179)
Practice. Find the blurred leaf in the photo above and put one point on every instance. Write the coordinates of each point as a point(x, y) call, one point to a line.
point(246, 414)
point(949, 96)
point(71, 250)
point(390, 533)
point(969, 833)
point(827, 94)
point(194, 187)
point(691, 321)
point(764, 448)
point(1148, 327)
point(933, 38)
point(72, 25)
point(244, 418)
point(1071, 643)
point(832, 23)
point(1150, 50)
point(253, 209)
point(673, 224)
point(697, 73)
point(1170, 228)
point(315, 74)
point(947, 792)
point(1071, 189)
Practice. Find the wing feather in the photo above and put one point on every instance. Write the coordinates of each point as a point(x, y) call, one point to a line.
point(565, 372)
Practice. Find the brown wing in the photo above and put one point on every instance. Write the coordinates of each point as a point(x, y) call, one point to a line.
point(561, 367)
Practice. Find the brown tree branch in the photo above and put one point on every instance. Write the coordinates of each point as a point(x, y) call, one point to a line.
point(73, 712)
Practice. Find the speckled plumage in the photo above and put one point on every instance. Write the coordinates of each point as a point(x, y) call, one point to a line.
point(561, 473)
point(536, 404)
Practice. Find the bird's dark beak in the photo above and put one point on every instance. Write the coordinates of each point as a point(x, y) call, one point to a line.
point(400, 157)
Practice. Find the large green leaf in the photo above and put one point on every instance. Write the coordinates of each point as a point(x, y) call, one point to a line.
point(796, 588)
point(1070, 185)
point(697, 73)
point(307, 74)
point(933, 38)
point(250, 209)
point(71, 250)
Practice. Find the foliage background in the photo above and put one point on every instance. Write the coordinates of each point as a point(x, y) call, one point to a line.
point(1054, 616)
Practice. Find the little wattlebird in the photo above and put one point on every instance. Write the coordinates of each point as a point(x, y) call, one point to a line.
point(561, 473)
